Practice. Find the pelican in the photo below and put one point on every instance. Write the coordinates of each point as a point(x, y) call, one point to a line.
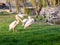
point(24, 21)
point(13, 25)
point(29, 22)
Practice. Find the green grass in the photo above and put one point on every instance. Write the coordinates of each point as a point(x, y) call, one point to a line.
point(36, 34)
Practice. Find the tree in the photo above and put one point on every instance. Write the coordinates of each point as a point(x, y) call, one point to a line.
point(33, 2)
point(9, 4)
point(37, 5)
point(17, 5)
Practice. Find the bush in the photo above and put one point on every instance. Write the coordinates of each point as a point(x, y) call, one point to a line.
point(4, 13)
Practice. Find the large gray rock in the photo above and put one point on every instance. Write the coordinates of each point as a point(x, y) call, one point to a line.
point(53, 20)
point(52, 14)
point(55, 11)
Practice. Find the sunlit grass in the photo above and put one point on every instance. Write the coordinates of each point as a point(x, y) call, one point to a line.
point(36, 34)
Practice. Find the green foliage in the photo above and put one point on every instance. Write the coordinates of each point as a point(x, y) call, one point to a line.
point(39, 18)
point(44, 3)
point(27, 11)
point(4, 13)
point(36, 34)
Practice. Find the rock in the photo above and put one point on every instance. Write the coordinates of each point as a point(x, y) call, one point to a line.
point(55, 11)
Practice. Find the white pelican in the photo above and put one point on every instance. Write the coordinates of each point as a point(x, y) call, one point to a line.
point(13, 25)
point(29, 22)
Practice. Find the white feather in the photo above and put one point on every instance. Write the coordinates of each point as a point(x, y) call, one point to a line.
point(24, 21)
point(13, 24)
point(21, 15)
point(29, 22)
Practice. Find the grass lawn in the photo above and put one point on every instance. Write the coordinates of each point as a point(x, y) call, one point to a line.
point(37, 34)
